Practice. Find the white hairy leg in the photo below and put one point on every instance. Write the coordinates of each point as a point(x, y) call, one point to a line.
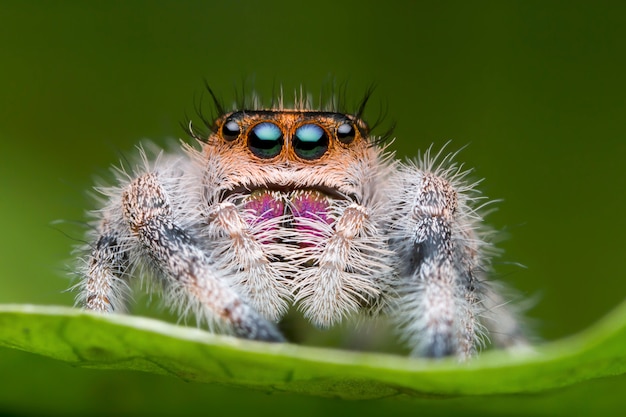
point(186, 271)
point(441, 259)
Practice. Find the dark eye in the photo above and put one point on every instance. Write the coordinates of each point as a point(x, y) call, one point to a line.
point(265, 140)
point(230, 130)
point(345, 133)
point(310, 141)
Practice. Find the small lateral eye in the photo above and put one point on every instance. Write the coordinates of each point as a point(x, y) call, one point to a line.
point(230, 130)
point(265, 140)
point(310, 141)
point(345, 133)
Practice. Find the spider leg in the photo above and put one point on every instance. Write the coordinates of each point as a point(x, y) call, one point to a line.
point(104, 287)
point(185, 269)
point(433, 232)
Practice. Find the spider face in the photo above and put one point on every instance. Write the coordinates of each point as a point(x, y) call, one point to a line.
point(301, 207)
point(291, 175)
point(290, 150)
point(287, 169)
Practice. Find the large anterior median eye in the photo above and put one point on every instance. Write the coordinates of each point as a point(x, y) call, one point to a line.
point(310, 141)
point(265, 140)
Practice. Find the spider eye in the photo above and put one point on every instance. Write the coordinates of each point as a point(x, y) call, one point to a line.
point(230, 130)
point(265, 140)
point(345, 133)
point(310, 141)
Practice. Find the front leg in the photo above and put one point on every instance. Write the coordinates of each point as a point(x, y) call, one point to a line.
point(191, 280)
point(440, 258)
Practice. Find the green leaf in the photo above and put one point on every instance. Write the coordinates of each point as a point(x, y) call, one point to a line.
point(134, 343)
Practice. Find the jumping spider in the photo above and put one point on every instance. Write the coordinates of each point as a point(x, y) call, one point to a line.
point(304, 207)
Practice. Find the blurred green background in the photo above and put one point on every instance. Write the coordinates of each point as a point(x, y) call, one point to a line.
point(537, 89)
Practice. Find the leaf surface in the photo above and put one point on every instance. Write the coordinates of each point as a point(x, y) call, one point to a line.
point(91, 340)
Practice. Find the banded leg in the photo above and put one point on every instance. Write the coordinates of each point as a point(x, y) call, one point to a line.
point(189, 269)
point(438, 305)
point(104, 287)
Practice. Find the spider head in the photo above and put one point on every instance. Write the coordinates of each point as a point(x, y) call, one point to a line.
point(289, 150)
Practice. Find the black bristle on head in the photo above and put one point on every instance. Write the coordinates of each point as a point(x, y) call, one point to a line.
point(219, 105)
point(202, 134)
point(364, 101)
point(333, 97)
point(382, 115)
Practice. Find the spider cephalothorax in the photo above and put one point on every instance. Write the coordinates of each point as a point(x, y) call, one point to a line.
point(281, 207)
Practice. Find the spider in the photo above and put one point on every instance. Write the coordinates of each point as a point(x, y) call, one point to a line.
point(280, 207)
